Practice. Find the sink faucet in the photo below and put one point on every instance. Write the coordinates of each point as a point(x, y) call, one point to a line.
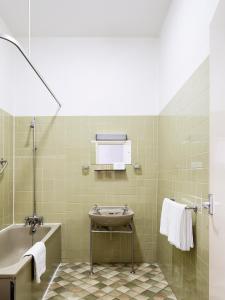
point(97, 209)
point(34, 222)
point(125, 210)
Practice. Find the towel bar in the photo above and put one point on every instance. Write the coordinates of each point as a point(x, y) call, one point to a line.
point(195, 207)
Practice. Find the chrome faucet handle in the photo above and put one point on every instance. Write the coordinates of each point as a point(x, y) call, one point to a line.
point(96, 209)
point(34, 220)
point(125, 209)
point(26, 221)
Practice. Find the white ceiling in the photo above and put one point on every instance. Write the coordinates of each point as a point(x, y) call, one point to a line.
point(85, 17)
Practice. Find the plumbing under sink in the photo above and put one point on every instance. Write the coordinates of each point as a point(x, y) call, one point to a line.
point(111, 215)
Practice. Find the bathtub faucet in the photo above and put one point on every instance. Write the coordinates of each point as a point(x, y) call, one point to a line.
point(34, 222)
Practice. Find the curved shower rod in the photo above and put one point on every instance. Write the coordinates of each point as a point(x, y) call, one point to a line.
point(15, 43)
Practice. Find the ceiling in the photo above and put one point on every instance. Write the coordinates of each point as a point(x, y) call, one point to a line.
point(85, 17)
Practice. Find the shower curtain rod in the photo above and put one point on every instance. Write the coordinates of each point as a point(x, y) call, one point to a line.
point(15, 43)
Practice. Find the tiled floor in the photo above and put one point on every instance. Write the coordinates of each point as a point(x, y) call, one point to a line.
point(109, 282)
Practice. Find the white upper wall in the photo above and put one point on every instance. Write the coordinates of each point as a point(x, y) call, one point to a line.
point(92, 76)
point(184, 44)
point(6, 70)
point(110, 76)
point(3, 27)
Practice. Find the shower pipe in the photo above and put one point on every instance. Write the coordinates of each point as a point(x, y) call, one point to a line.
point(16, 44)
point(33, 127)
point(34, 221)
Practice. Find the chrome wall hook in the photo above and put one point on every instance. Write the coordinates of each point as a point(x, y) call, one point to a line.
point(3, 163)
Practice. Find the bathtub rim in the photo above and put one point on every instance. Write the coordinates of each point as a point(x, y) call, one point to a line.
point(12, 270)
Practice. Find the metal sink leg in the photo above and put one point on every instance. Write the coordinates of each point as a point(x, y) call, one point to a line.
point(132, 250)
point(91, 250)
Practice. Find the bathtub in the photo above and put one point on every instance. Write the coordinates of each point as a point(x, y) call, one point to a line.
point(16, 271)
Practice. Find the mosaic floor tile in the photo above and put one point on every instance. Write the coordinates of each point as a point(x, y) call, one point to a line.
point(109, 282)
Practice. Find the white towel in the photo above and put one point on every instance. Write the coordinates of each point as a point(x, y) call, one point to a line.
point(38, 251)
point(180, 227)
point(176, 223)
point(164, 222)
point(187, 241)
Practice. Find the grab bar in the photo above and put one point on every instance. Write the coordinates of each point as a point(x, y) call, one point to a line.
point(16, 44)
point(4, 164)
point(195, 207)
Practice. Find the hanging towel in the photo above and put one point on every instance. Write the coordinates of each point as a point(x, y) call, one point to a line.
point(187, 237)
point(180, 232)
point(38, 251)
point(164, 221)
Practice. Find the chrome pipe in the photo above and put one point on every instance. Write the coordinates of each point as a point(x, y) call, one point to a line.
point(33, 127)
point(16, 44)
point(194, 207)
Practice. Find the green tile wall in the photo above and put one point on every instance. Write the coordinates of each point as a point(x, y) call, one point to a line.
point(183, 175)
point(6, 179)
point(66, 194)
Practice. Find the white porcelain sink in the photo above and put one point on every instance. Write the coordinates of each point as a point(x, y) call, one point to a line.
point(111, 215)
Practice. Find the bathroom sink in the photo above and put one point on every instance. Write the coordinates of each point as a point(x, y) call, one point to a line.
point(111, 215)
